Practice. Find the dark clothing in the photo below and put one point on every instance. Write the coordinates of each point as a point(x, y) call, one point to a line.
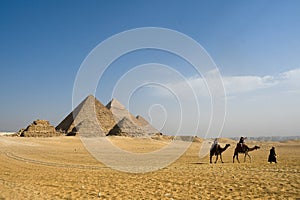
point(272, 156)
point(242, 140)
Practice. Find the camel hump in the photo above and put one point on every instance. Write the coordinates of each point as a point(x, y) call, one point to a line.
point(215, 148)
point(242, 147)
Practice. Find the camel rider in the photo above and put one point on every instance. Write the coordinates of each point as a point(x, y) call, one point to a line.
point(214, 144)
point(242, 141)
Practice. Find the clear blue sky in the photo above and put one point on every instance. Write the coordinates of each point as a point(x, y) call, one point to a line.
point(43, 44)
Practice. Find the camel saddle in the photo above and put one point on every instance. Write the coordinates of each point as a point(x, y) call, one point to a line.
point(242, 147)
point(215, 149)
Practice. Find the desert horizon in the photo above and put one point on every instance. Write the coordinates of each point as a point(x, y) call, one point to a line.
point(234, 137)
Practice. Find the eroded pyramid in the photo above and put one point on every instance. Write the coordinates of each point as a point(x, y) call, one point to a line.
point(39, 128)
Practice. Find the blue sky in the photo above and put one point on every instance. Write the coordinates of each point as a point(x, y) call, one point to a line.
point(255, 45)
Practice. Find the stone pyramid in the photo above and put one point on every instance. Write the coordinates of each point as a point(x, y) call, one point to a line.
point(90, 117)
point(128, 124)
point(148, 128)
point(119, 111)
point(39, 128)
point(126, 127)
point(142, 121)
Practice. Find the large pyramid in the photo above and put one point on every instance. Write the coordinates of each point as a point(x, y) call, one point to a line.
point(90, 116)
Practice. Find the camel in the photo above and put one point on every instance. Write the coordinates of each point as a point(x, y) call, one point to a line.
point(243, 149)
point(216, 151)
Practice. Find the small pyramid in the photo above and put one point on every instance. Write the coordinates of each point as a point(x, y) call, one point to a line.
point(148, 128)
point(39, 128)
point(127, 123)
point(89, 116)
point(142, 121)
point(126, 127)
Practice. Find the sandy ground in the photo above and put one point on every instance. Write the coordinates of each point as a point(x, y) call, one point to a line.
point(61, 168)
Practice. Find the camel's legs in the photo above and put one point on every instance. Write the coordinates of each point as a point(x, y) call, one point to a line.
point(237, 158)
point(210, 158)
point(221, 158)
point(249, 157)
point(217, 158)
point(246, 154)
point(235, 155)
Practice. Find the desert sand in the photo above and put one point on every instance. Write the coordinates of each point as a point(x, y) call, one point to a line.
point(61, 168)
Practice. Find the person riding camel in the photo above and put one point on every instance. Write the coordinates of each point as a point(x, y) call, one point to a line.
point(214, 144)
point(242, 141)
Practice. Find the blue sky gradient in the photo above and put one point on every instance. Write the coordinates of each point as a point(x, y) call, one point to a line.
point(43, 44)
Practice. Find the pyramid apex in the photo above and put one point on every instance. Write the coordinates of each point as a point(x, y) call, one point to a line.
point(114, 100)
point(90, 96)
point(115, 103)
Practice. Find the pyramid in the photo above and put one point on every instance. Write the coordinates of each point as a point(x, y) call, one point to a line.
point(126, 127)
point(90, 117)
point(39, 128)
point(142, 121)
point(127, 123)
point(148, 128)
point(119, 111)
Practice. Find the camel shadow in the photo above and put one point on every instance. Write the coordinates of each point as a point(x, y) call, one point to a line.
point(207, 163)
point(200, 163)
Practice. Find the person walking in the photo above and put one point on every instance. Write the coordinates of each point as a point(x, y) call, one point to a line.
point(272, 156)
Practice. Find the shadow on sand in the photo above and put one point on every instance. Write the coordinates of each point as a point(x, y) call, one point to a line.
point(200, 163)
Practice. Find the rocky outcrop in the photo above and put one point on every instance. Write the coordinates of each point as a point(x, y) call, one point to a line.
point(39, 128)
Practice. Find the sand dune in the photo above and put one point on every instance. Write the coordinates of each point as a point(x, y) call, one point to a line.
point(61, 168)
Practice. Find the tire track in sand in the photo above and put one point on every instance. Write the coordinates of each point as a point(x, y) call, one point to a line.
point(52, 164)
